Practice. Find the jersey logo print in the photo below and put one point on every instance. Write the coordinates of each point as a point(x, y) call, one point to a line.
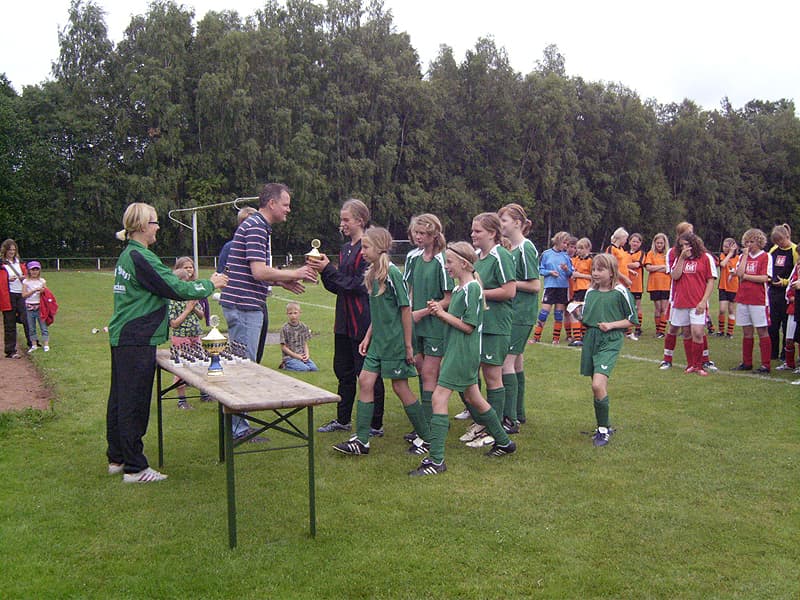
point(690, 267)
point(398, 371)
point(434, 348)
point(604, 367)
point(489, 356)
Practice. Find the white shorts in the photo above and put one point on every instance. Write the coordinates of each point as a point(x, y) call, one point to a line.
point(791, 327)
point(681, 317)
point(755, 315)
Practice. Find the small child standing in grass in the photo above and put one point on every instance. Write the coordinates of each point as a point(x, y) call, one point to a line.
point(184, 320)
point(294, 342)
point(609, 309)
point(386, 346)
point(32, 286)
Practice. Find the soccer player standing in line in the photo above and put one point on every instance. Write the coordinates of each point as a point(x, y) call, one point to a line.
point(752, 305)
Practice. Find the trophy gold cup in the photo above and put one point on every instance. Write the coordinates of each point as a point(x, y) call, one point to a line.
point(214, 343)
point(314, 252)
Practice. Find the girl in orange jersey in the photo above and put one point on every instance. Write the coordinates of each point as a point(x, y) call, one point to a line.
point(635, 262)
point(581, 279)
point(617, 249)
point(658, 281)
point(728, 286)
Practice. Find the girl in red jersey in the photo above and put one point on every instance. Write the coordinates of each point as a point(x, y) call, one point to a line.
point(658, 281)
point(728, 286)
point(693, 276)
point(752, 306)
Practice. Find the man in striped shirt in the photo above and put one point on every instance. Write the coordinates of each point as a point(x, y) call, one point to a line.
point(250, 275)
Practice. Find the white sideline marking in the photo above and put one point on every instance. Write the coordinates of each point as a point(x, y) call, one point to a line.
point(682, 366)
point(292, 299)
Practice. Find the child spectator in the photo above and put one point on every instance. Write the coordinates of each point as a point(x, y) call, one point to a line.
point(792, 334)
point(635, 262)
point(752, 305)
point(184, 319)
point(294, 342)
point(556, 268)
point(582, 277)
point(693, 275)
point(728, 286)
point(607, 312)
point(32, 286)
point(784, 258)
point(658, 281)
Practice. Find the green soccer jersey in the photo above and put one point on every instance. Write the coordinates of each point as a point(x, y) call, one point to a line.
point(388, 342)
point(427, 280)
point(462, 354)
point(495, 270)
point(525, 304)
point(605, 307)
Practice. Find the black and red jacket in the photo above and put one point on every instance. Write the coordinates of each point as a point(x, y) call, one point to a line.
point(352, 299)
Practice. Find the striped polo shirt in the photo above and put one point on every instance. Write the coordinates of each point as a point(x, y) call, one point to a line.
point(250, 243)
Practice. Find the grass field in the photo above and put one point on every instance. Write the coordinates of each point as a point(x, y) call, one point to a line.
point(696, 496)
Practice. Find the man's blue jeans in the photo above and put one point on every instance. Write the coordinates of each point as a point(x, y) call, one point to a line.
point(244, 326)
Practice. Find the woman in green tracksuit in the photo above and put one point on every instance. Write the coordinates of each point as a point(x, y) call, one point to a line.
point(143, 287)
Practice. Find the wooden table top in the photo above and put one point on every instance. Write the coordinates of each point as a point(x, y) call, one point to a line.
point(247, 386)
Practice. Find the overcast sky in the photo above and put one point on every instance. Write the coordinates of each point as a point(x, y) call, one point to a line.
point(700, 49)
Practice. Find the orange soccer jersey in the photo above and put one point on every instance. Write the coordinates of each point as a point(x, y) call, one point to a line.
point(728, 280)
point(658, 281)
point(635, 275)
point(581, 265)
point(623, 258)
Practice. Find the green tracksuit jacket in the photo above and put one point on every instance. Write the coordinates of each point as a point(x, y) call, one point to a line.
point(143, 287)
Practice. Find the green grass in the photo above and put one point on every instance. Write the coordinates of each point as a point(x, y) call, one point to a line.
point(696, 496)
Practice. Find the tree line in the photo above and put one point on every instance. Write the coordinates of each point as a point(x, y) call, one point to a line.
point(332, 101)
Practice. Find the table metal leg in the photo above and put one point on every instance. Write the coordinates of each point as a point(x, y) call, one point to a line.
point(221, 432)
point(312, 500)
point(159, 394)
point(231, 483)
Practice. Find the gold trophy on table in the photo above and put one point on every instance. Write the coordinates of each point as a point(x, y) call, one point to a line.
point(214, 343)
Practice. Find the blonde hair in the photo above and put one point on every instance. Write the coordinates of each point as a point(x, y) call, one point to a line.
point(244, 212)
point(490, 222)
point(292, 305)
point(378, 271)
point(431, 225)
point(659, 236)
point(756, 235)
point(466, 254)
point(561, 236)
point(609, 262)
point(517, 213)
point(180, 264)
point(681, 228)
point(781, 232)
point(358, 209)
point(618, 234)
point(136, 218)
point(584, 242)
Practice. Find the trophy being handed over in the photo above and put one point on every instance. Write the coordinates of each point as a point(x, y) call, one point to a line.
point(314, 252)
point(215, 343)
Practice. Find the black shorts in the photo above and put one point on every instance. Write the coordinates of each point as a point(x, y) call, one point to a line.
point(637, 295)
point(579, 295)
point(555, 296)
point(659, 295)
point(726, 296)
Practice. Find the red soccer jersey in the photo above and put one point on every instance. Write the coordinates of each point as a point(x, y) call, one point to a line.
point(688, 289)
point(751, 292)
